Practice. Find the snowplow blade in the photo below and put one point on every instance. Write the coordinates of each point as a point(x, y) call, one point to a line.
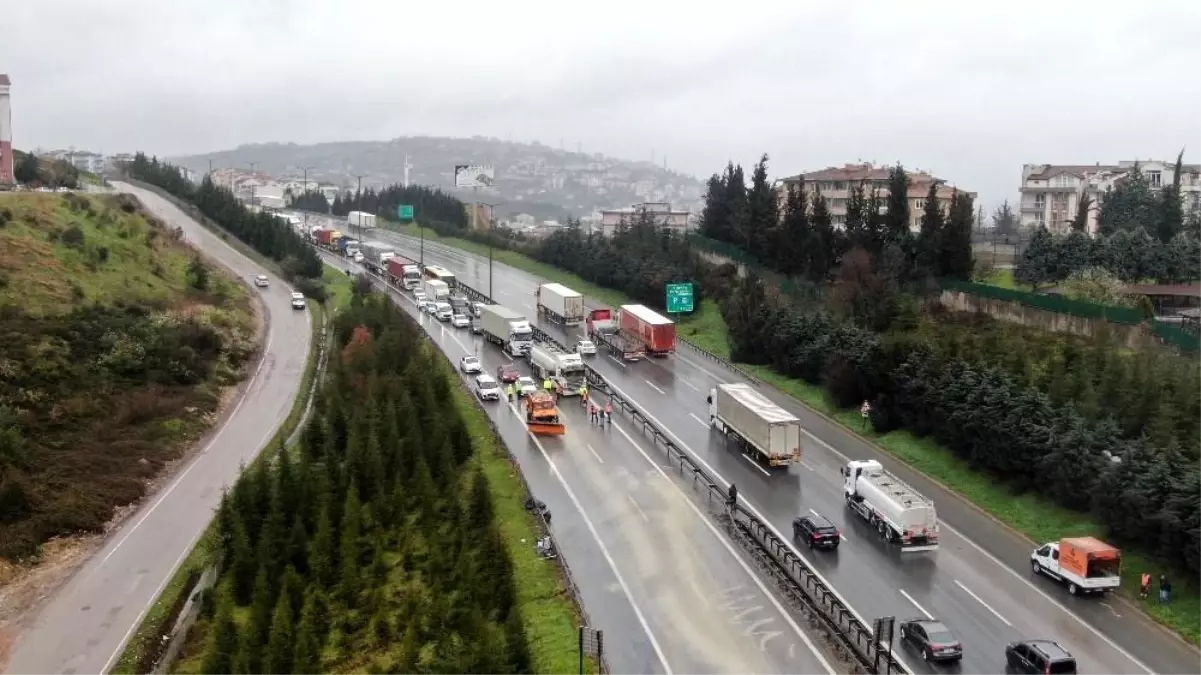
point(547, 428)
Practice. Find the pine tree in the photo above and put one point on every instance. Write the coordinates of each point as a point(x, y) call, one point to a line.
point(259, 628)
point(1080, 222)
point(762, 215)
point(795, 235)
point(955, 255)
point(223, 641)
point(896, 220)
point(322, 559)
point(243, 565)
point(1004, 221)
point(307, 657)
point(823, 249)
point(351, 547)
point(1171, 210)
point(715, 220)
point(929, 240)
point(735, 202)
point(281, 644)
point(1039, 261)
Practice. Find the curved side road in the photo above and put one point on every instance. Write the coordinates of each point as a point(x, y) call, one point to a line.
point(85, 626)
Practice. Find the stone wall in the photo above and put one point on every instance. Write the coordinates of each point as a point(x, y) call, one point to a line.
point(1132, 336)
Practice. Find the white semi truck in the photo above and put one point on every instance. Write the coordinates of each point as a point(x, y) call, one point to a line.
point(435, 290)
point(360, 219)
point(565, 369)
point(376, 256)
point(507, 328)
point(899, 513)
point(560, 304)
point(763, 428)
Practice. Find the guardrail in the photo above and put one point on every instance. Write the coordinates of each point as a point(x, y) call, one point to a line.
point(852, 639)
point(725, 363)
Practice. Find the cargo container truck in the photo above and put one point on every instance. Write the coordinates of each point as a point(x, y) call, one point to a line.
point(602, 329)
point(436, 291)
point(762, 428)
point(899, 513)
point(348, 247)
point(403, 274)
point(559, 304)
point(326, 237)
point(376, 256)
point(360, 219)
point(507, 328)
point(657, 332)
point(564, 369)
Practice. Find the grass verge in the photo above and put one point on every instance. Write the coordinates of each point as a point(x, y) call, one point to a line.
point(547, 610)
point(144, 644)
point(1035, 518)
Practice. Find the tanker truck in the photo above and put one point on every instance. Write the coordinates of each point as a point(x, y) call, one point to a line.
point(899, 513)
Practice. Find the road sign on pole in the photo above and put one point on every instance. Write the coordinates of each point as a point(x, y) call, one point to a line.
point(404, 212)
point(679, 298)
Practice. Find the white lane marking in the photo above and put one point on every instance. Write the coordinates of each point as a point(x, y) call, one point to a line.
point(807, 466)
point(814, 513)
point(166, 493)
point(1107, 606)
point(142, 614)
point(603, 549)
point(500, 292)
point(690, 385)
point(594, 453)
point(754, 511)
point(615, 360)
point(840, 534)
point(1012, 572)
point(755, 464)
point(699, 421)
point(701, 368)
point(652, 386)
point(986, 606)
point(729, 549)
point(915, 603)
point(638, 508)
point(461, 346)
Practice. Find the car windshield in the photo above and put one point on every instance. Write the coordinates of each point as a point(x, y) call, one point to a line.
point(488, 384)
point(471, 361)
point(525, 381)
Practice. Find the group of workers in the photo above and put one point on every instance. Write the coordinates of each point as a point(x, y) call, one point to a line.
point(597, 414)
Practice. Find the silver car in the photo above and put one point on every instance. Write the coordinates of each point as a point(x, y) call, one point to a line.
point(487, 388)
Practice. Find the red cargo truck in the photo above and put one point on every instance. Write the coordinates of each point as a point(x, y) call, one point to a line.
point(325, 236)
point(657, 332)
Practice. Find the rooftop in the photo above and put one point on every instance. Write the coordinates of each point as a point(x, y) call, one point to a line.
point(857, 172)
point(1081, 170)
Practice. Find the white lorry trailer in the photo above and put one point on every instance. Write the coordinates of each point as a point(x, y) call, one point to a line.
point(559, 304)
point(360, 219)
point(564, 369)
point(435, 290)
point(763, 428)
point(376, 256)
point(899, 513)
point(507, 328)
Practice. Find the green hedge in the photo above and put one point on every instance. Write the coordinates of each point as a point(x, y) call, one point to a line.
point(1050, 303)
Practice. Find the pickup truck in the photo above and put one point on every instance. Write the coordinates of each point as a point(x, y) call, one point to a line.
point(1085, 564)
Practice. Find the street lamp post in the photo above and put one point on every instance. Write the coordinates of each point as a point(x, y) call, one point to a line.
point(304, 191)
point(253, 184)
point(491, 232)
point(359, 201)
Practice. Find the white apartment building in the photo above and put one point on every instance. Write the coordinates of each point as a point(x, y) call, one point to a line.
point(661, 213)
point(836, 184)
point(1050, 193)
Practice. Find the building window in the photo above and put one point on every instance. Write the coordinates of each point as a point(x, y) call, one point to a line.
point(919, 203)
point(1040, 200)
point(1155, 179)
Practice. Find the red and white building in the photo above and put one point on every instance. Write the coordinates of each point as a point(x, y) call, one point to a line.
point(6, 132)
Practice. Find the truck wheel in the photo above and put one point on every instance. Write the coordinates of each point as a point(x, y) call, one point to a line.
point(1073, 589)
point(1035, 567)
point(882, 529)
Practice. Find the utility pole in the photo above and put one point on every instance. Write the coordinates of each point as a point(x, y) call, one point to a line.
point(491, 232)
point(305, 191)
point(253, 184)
point(408, 167)
point(359, 201)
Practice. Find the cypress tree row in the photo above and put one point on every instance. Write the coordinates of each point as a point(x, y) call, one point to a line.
point(374, 546)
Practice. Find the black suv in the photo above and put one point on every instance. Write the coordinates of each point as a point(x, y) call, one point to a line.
point(816, 531)
point(1039, 656)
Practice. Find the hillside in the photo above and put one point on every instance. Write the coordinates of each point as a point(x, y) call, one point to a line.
point(533, 178)
point(116, 345)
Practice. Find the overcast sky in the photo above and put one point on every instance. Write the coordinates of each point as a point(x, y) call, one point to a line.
point(967, 90)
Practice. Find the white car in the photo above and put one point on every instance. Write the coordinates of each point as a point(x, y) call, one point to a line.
point(358, 257)
point(261, 281)
point(431, 307)
point(420, 297)
point(470, 364)
point(460, 321)
point(487, 388)
point(526, 385)
point(585, 348)
point(477, 309)
point(298, 301)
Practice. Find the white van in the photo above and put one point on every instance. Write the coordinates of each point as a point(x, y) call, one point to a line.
point(443, 311)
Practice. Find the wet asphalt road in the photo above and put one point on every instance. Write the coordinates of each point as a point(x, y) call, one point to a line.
point(82, 629)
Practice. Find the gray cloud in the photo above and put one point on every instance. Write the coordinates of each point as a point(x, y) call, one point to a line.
point(967, 90)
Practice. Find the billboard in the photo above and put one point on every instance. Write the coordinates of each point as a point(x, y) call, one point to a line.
point(474, 176)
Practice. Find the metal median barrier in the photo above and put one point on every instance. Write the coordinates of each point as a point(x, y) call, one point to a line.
point(717, 359)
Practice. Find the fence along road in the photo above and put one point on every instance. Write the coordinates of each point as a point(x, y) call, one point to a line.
point(670, 592)
point(980, 585)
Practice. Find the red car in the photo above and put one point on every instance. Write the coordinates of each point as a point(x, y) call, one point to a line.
point(507, 373)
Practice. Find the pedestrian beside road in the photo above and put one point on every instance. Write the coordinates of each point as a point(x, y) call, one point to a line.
point(1144, 587)
point(608, 412)
point(1165, 589)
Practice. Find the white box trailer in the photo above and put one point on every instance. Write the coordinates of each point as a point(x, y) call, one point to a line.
point(360, 219)
point(565, 369)
point(899, 513)
point(560, 304)
point(764, 428)
point(376, 255)
point(435, 290)
point(507, 328)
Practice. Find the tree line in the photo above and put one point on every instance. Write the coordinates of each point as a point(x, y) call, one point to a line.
point(375, 546)
point(30, 169)
point(1130, 254)
point(262, 231)
point(436, 209)
point(1132, 204)
point(790, 229)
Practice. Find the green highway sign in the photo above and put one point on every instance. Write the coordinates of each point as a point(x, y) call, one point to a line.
point(404, 212)
point(679, 298)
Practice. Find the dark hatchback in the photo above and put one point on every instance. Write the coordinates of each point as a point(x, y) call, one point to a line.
point(1039, 656)
point(934, 640)
point(816, 531)
point(507, 373)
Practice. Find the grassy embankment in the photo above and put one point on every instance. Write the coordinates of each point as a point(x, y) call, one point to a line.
point(1034, 517)
point(113, 358)
point(142, 649)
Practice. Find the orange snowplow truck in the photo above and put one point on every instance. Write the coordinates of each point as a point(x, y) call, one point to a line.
point(542, 415)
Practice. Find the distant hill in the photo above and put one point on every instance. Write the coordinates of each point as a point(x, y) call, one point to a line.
point(532, 178)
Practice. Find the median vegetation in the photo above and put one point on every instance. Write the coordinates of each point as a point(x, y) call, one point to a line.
point(389, 542)
point(116, 342)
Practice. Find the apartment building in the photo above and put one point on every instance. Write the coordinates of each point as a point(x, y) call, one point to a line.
point(1051, 193)
point(6, 132)
point(661, 213)
point(836, 184)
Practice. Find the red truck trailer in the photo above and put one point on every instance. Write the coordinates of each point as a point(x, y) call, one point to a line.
point(325, 236)
point(654, 330)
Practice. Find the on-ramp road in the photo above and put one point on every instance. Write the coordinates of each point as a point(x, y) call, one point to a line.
point(83, 628)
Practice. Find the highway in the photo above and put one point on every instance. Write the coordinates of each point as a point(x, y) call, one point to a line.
point(83, 628)
point(671, 593)
point(978, 582)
